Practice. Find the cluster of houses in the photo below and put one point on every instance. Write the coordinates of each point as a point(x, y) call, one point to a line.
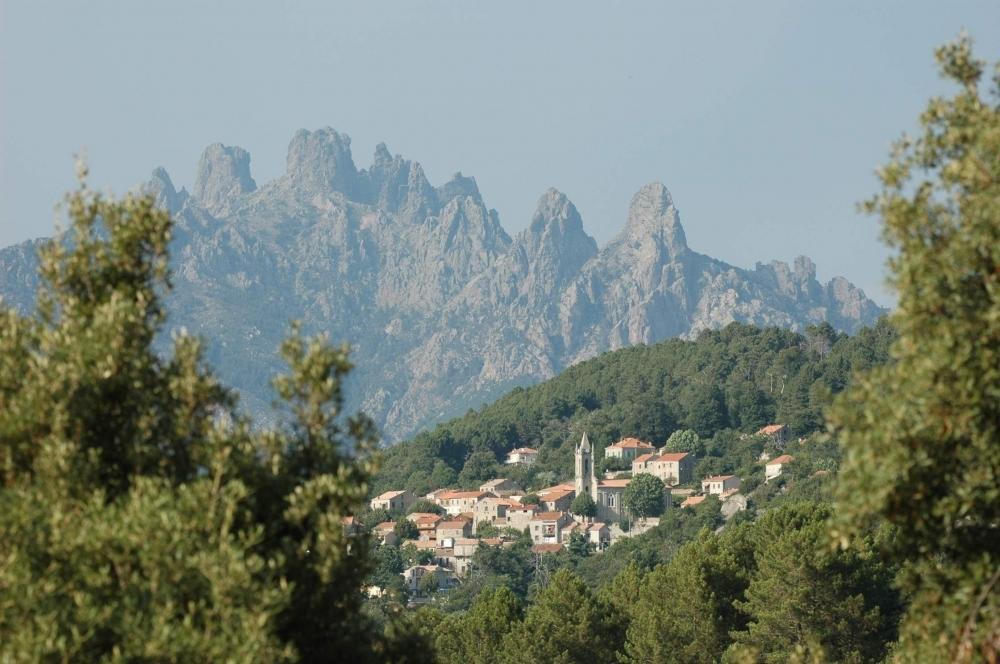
point(451, 538)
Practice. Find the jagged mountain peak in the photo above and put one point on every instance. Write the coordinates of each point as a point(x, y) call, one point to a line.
point(223, 174)
point(443, 309)
point(652, 216)
point(321, 161)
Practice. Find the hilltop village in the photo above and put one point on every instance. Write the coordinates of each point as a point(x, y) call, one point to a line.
point(447, 526)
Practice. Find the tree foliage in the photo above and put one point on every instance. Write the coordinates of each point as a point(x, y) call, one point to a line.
point(643, 496)
point(583, 505)
point(566, 624)
point(922, 435)
point(141, 515)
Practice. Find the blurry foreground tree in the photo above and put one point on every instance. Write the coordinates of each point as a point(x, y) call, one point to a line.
point(922, 435)
point(141, 517)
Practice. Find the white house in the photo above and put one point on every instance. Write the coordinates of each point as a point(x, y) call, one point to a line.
point(720, 484)
point(773, 467)
point(525, 455)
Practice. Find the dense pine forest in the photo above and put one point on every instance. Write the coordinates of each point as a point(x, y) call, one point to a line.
point(727, 382)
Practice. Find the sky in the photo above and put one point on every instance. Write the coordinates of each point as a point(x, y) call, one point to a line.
point(766, 120)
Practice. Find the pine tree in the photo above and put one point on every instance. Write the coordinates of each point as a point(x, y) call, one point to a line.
point(475, 637)
point(565, 625)
point(684, 611)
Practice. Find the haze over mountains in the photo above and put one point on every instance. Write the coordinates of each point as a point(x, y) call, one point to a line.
point(443, 308)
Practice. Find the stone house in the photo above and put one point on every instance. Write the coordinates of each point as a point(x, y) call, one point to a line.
point(519, 518)
point(546, 527)
point(671, 467)
point(557, 499)
point(720, 484)
point(426, 523)
point(386, 533)
point(599, 535)
point(456, 502)
point(393, 501)
point(412, 576)
point(500, 487)
point(459, 528)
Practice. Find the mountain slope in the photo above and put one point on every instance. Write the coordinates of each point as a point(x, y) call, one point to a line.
point(444, 309)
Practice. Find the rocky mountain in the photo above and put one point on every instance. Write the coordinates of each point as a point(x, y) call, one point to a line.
point(443, 308)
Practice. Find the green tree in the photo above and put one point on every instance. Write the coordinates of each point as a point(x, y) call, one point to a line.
point(479, 467)
point(425, 506)
point(428, 584)
point(807, 599)
point(684, 611)
point(643, 496)
point(406, 530)
point(530, 499)
point(141, 516)
point(476, 636)
point(922, 435)
point(565, 625)
point(584, 505)
point(685, 440)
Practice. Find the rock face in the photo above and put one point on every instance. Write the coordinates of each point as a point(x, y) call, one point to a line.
point(444, 310)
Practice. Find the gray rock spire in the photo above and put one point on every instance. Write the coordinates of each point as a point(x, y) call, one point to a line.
point(223, 175)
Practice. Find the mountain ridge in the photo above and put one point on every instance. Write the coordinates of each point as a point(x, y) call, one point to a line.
point(443, 307)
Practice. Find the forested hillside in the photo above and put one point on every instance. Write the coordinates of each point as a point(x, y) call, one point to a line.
point(726, 382)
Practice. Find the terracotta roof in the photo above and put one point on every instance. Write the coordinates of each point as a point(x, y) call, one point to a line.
point(427, 521)
point(691, 501)
point(389, 495)
point(548, 516)
point(523, 450)
point(771, 428)
point(783, 459)
point(672, 456)
point(718, 478)
point(596, 526)
point(558, 487)
point(386, 525)
point(416, 516)
point(644, 457)
point(555, 494)
point(452, 495)
point(547, 548)
point(631, 444)
point(614, 484)
point(465, 541)
point(729, 492)
point(460, 523)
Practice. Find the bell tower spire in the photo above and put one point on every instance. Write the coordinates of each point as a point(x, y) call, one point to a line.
point(585, 482)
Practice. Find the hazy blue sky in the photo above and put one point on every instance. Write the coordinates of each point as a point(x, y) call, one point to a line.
point(764, 119)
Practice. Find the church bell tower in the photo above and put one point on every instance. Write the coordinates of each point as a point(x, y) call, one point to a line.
point(585, 478)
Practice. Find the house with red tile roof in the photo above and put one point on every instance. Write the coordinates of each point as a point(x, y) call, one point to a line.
point(628, 449)
point(773, 467)
point(776, 432)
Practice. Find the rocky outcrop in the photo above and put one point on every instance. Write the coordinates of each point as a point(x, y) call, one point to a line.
point(444, 310)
